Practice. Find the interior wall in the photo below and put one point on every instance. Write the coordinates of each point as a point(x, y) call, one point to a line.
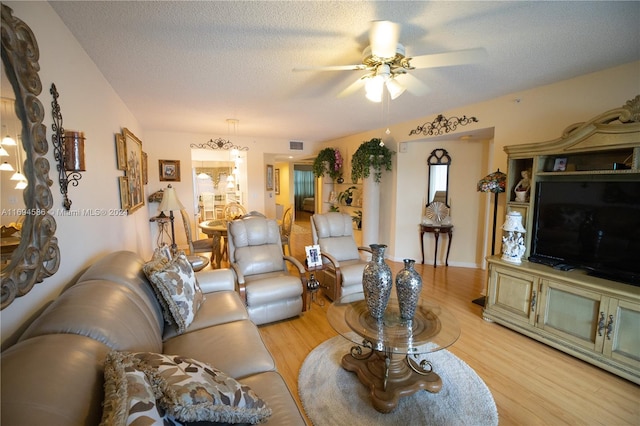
point(89, 104)
point(534, 115)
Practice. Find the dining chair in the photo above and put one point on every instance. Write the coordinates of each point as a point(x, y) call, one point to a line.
point(233, 211)
point(285, 229)
point(343, 260)
point(204, 245)
point(265, 284)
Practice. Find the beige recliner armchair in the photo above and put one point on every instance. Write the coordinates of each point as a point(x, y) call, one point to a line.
point(265, 285)
point(343, 260)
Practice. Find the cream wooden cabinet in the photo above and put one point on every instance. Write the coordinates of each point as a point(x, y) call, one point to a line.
point(594, 319)
point(591, 318)
point(513, 295)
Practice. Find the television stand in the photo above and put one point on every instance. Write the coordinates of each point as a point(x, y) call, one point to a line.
point(592, 318)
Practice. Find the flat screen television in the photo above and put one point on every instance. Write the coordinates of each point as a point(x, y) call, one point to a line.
point(588, 223)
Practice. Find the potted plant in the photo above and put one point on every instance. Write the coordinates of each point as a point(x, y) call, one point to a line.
point(329, 161)
point(372, 154)
point(346, 196)
point(357, 218)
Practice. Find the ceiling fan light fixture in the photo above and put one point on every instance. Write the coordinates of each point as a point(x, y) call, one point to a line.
point(395, 89)
point(373, 88)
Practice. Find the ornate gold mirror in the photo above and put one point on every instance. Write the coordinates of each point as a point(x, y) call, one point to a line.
point(31, 251)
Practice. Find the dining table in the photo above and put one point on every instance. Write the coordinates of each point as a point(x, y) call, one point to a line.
point(217, 230)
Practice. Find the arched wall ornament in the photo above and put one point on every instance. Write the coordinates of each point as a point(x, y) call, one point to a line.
point(441, 125)
point(38, 255)
point(221, 144)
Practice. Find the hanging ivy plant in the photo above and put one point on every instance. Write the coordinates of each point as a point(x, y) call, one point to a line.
point(372, 154)
point(328, 161)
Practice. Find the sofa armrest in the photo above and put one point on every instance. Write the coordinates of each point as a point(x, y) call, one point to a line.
point(216, 280)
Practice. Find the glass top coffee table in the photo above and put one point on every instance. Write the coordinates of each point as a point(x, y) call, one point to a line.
point(384, 351)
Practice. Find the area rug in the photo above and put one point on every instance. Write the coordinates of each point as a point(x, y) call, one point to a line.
point(333, 396)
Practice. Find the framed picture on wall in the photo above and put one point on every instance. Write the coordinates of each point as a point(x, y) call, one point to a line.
point(277, 178)
point(135, 180)
point(269, 177)
point(121, 152)
point(145, 168)
point(169, 170)
point(124, 192)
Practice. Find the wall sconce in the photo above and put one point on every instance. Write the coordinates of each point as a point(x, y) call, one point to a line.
point(68, 151)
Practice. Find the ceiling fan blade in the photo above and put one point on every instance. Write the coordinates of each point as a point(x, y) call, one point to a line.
point(383, 38)
point(353, 87)
point(458, 57)
point(413, 84)
point(333, 68)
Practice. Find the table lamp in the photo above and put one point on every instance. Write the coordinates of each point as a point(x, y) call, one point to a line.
point(170, 202)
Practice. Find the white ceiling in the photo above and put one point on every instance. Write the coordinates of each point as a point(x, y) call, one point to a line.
point(187, 66)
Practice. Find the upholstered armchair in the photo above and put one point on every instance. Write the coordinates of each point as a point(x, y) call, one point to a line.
point(343, 260)
point(270, 292)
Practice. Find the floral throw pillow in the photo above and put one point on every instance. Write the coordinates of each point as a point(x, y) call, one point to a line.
point(178, 288)
point(129, 396)
point(161, 257)
point(187, 390)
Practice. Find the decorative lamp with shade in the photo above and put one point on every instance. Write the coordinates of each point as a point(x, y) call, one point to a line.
point(171, 203)
point(513, 247)
point(494, 182)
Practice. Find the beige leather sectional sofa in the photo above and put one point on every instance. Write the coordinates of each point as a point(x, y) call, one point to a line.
point(54, 374)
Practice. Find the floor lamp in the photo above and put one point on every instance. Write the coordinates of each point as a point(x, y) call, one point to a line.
point(494, 182)
point(170, 202)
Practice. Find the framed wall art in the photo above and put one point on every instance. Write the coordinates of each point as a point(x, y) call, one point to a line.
point(169, 170)
point(121, 152)
point(269, 177)
point(134, 170)
point(124, 192)
point(145, 168)
point(277, 178)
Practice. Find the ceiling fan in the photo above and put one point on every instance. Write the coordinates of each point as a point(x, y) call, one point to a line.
point(387, 66)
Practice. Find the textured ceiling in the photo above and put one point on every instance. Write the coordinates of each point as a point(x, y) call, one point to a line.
point(188, 66)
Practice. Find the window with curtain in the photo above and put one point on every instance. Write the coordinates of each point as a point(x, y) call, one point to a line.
point(304, 184)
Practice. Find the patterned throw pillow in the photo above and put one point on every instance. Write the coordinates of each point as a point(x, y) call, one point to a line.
point(129, 398)
point(161, 257)
point(177, 286)
point(186, 391)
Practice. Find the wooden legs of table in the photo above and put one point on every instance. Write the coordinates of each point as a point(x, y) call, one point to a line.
point(217, 253)
point(436, 231)
point(390, 377)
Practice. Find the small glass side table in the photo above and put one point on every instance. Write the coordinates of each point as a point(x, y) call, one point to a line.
point(384, 349)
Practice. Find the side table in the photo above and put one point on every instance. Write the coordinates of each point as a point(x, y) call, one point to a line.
point(436, 230)
point(198, 263)
point(313, 286)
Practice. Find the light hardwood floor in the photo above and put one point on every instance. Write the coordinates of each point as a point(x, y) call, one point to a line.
point(532, 384)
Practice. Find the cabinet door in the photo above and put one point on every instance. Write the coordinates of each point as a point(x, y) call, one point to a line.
point(513, 293)
point(574, 314)
point(622, 332)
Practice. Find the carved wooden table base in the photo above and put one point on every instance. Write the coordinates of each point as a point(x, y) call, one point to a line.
point(389, 377)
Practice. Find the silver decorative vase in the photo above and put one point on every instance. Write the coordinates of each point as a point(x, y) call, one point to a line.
point(377, 282)
point(408, 289)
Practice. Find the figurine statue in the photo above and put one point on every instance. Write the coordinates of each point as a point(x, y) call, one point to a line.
point(522, 187)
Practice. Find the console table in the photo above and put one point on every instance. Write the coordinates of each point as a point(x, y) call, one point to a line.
point(386, 365)
point(436, 230)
